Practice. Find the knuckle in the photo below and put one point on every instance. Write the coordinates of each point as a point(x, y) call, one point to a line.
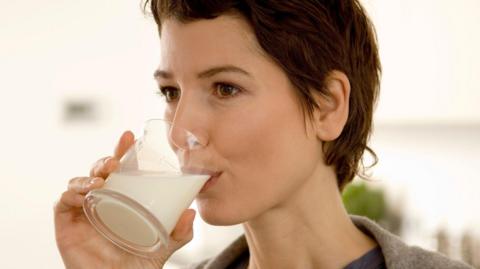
point(98, 165)
point(65, 196)
point(72, 181)
point(94, 170)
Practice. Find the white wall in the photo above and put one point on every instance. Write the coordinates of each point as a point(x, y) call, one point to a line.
point(50, 52)
point(106, 51)
point(429, 51)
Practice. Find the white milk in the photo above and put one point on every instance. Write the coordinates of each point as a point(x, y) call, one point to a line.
point(166, 196)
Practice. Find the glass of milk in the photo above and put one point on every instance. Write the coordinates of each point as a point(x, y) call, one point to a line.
point(157, 179)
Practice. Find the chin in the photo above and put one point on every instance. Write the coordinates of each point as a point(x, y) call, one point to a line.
point(219, 215)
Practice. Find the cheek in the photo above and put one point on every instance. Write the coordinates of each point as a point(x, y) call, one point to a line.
point(249, 141)
point(266, 147)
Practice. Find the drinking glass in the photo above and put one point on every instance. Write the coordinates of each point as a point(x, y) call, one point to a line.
point(157, 179)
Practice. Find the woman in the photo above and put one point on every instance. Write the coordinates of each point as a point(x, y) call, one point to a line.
point(282, 92)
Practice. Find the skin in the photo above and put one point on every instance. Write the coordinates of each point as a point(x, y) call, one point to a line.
point(274, 179)
point(273, 176)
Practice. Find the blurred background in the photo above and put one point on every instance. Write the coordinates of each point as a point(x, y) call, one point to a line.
point(75, 74)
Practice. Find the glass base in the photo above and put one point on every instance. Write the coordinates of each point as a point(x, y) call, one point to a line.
point(125, 222)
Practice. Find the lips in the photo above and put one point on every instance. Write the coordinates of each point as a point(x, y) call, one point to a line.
point(214, 175)
point(200, 171)
point(210, 182)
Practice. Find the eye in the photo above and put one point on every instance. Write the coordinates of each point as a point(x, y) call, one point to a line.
point(170, 93)
point(225, 90)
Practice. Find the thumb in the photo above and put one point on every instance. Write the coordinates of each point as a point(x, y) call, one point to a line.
point(181, 235)
point(183, 231)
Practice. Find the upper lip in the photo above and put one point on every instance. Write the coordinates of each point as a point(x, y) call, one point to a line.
point(200, 170)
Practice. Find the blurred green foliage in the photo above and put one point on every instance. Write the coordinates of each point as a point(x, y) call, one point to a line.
point(361, 200)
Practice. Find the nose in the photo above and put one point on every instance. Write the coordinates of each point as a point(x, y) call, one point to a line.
point(187, 130)
point(183, 139)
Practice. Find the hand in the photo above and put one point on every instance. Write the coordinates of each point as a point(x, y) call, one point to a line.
point(81, 246)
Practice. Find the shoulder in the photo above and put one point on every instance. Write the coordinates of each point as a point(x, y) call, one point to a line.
point(417, 257)
point(399, 255)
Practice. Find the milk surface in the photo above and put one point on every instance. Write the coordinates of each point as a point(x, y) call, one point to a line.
point(166, 196)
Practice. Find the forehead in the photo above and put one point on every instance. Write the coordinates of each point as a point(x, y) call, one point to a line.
point(225, 39)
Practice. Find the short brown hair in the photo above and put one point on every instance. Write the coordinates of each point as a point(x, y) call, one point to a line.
point(308, 39)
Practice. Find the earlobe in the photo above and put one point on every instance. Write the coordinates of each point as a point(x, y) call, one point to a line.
point(332, 113)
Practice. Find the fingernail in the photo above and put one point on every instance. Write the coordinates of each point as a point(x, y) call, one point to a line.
point(92, 181)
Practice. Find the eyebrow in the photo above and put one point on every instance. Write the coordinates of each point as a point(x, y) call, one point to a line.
point(205, 74)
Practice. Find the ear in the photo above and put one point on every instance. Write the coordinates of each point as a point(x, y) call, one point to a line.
point(332, 113)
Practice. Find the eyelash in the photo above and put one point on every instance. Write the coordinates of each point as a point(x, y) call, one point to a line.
point(163, 91)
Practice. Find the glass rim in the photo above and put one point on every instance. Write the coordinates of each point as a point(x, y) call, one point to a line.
point(193, 141)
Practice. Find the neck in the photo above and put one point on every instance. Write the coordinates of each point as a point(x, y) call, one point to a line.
point(310, 230)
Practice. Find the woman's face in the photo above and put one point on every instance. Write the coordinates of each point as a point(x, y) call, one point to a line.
point(243, 107)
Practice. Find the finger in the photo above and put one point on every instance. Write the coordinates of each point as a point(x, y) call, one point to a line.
point(183, 231)
point(103, 167)
point(82, 185)
point(68, 201)
point(96, 166)
point(126, 141)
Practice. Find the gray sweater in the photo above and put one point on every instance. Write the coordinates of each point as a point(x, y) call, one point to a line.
point(396, 253)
